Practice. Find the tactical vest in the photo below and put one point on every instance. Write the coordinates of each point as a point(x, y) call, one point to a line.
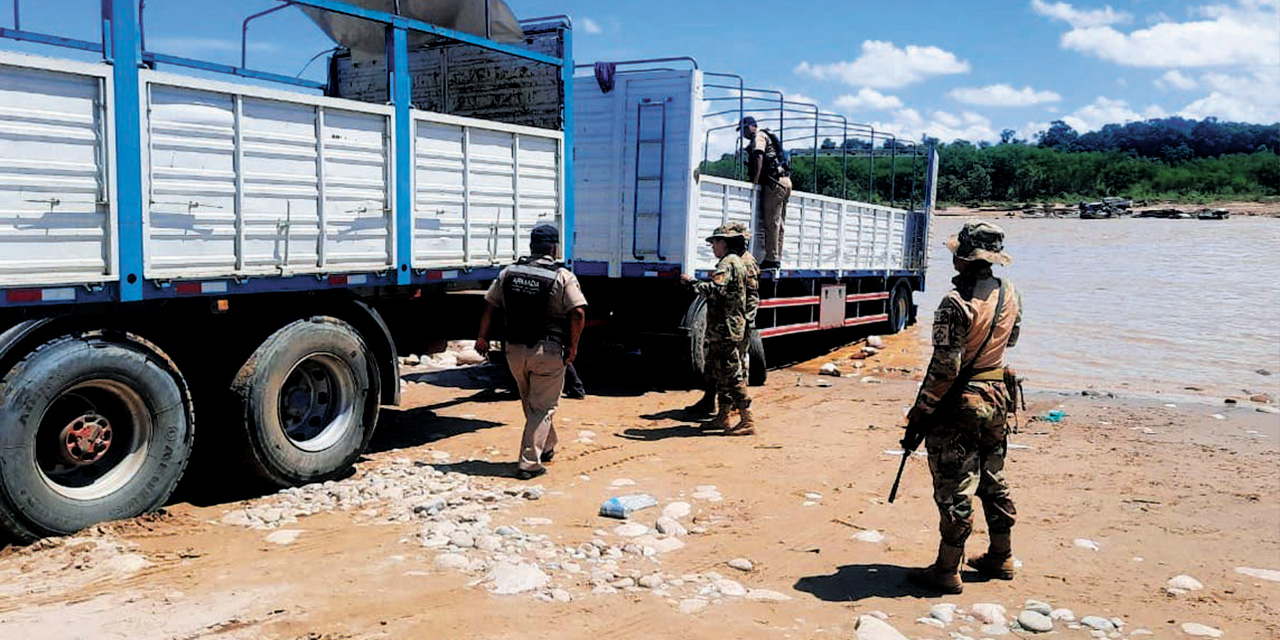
point(526, 298)
point(777, 162)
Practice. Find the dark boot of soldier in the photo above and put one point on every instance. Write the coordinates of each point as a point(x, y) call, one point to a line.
point(746, 425)
point(721, 421)
point(705, 405)
point(944, 574)
point(997, 562)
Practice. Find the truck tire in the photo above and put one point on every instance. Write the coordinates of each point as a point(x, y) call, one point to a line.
point(899, 309)
point(695, 322)
point(757, 368)
point(309, 399)
point(93, 427)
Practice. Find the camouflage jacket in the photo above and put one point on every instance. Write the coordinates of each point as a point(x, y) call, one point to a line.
point(960, 327)
point(753, 288)
point(726, 295)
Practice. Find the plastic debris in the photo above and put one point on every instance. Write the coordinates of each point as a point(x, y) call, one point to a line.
point(1053, 416)
point(623, 506)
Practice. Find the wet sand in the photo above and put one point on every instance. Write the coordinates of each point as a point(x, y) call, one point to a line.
point(1161, 490)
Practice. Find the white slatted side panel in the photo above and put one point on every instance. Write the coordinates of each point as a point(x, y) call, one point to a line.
point(245, 181)
point(720, 202)
point(538, 169)
point(191, 216)
point(491, 196)
point(55, 224)
point(281, 216)
point(357, 205)
point(439, 227)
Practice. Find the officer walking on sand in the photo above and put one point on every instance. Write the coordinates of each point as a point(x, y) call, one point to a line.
point(543, 305)
point(767, 166)
point(726, 295)
point(962, 408)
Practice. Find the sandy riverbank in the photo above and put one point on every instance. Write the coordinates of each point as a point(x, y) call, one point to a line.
point(1161, 490)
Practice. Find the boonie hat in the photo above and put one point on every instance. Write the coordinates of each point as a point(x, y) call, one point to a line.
point(730, 230)
point(980, 240)
point(746, 122)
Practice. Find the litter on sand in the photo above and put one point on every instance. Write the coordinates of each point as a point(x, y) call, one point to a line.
point(623, 506)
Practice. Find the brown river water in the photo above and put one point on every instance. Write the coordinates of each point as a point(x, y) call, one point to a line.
point(1157, 308)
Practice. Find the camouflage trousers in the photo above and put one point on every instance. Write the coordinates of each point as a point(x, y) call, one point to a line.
point(724, 370)
point(966, 458)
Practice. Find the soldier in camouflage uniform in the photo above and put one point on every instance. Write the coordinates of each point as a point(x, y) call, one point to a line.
point(707, 404)
point(726, 295)
point(961, 409)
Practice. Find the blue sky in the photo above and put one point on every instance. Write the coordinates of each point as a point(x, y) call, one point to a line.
point(950, 69)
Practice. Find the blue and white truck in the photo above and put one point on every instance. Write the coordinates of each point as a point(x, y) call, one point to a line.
point(189, 244)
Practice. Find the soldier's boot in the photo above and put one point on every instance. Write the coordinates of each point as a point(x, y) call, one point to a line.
point(746, 425)
point(997, 562)
point(721, 421)
point(944, 574)
point(706, 404)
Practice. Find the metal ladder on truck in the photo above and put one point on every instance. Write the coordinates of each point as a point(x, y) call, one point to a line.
point(649, 175)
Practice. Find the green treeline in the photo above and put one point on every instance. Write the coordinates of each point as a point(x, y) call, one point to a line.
point(1167, 159)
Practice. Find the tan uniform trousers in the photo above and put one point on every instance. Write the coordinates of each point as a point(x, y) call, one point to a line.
point(539, 374)
point(773, 214)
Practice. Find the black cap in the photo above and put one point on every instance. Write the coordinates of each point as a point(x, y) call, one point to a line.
point(746, 122)
point(545, 234)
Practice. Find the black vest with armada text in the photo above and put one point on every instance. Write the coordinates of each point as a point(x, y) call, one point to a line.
point(526, 298)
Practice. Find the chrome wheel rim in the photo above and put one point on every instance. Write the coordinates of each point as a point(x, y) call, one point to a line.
point(93, 439)
point(317, 405)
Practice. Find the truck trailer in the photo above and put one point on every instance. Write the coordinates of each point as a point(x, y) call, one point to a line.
point(185, 243)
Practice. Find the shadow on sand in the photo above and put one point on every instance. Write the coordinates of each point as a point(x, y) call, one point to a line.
point(854, 582)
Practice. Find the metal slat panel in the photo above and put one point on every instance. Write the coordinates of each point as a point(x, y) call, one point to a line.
point(55, 221)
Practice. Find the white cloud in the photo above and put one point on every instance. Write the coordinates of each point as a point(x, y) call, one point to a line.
point(867, 100)
point(1104, 111)
point(1080, 18)
point(884, 65)
point(1003, 95)
point(589, 26)
point(910, 124)
point(1174, 79)
point(204, 46)
point(1244, 34)
point(1241, 98)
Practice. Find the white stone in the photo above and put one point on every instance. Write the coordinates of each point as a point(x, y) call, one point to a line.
point(870, 627)
point(1065, 615)
point(1141, 632)
point(284, 536)
point(560, 595)
point(1097, 623)
point(666, 545)
point(741, 564)
point(535, 521)
point(995, 630)
point(237, 518)
point(766, 595)
point(1035, 621)
point(630, 530)
point(693, 605)
point(988, 612)
point(623, 482)
point(509, 578)
point(1261, 574)
point(1085, 543)
point(452, 561)
point(1184, 583)
point(677, 510)
point(1043, 608)
point(730, 588)
point(1200, 631)
point(829, 369)
point(668, 525)
point(946, 612)
point(870, 535)
point(651, 581)
point(875, 342)
point(932, 622)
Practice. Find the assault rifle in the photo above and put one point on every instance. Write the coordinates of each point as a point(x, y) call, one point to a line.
point(916, 431)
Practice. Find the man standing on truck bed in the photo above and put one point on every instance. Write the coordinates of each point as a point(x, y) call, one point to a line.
point(962, 409)
point(726, 295)
point(543, 305)
point(767, 166)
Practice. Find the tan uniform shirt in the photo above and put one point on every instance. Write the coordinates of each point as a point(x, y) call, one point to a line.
point(960, 326)
point(566, 293)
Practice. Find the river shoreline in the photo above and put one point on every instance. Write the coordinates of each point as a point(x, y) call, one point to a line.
point(1069, 210)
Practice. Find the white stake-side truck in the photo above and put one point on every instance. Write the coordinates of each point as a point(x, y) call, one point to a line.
point(246, 255)
point(643, 132)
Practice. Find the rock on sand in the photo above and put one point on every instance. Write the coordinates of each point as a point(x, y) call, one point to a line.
point(1261, 574)
point(1035, 621)
point(1200, 631)
point(872, 628)
point(509, 578)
